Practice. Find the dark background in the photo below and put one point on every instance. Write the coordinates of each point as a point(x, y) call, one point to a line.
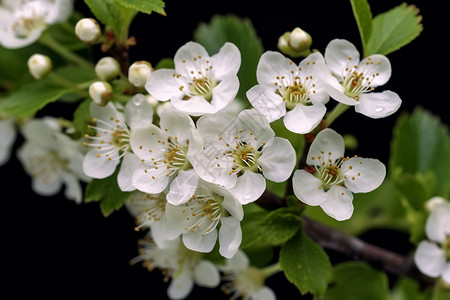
point(52, 247)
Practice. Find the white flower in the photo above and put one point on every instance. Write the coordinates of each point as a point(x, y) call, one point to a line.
point(182, 266)
point(22, 22)
point(243, 281)
point(210, 206)
point(8, 135)
point(199, 84)
point(111, 144)
point(88, 30)
point(52, 159)
point(107, 68)
point(138, 73)
point(433, 256)
point(150, 212)
point(288, 90)
point(352, 81)
point(335, 177)
point(39, 65)
point(240, 152)
point(164, 152)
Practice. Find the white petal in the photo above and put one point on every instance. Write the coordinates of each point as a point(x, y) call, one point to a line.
point(58, 11)
point(124, 178)
point(378, 105)
point(176, 124)
point(253, 121)
point(377, 67)
point(196, 242)
point(446, 273)
point(98, 167)
point(40, 134)
point(206, 274)
point(194, 106)
point(365, 174)
point(181, 286)
point(336, 91)
point(230, 202)
point(438, 223)
point(224, 93)
point(268, 103)
point(339, 203)
point(213, 126)
point(238, 263)
point(306, 188)
point(149, 180)
point(138, 112)
point(186, 59)
point(278, 160)
point(182, 187)
point(162, 85)
point(340, 54)
point(325, 142)
point(249, 187)
point(8, 135)
point(106, 113)
point(302, 119)
point(72, 190)
point(230, 237)
point(144, 143)
point(430, 259)
point(264, 293)
point(227, 61)
point(270, 65)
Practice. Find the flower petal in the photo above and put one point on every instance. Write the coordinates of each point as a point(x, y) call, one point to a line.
point(187, 58)
point(224, 93)
point(144, 143)
point(438, 224)
point(270, 65)
point(326, 142)
point(194, 106)
point(339, 203)
point(303, 119)
point(363, 174)
point(196, 242)
point(214, 126)
point(163, 85)
point(278, 160)
point(446, 273)
point(176, 124)
point(124, 178)
point(264, 293)
point(206, 274)
point(226, 62)
point(340, 54)
point(150, 181)
point(72, 190)
point(377, 67)
point(267, 102)
point(182, 187)
point(378, 105)
point(430, 259)
point(306, 188)
point(230, 237)
point(181, 286)
point(138, 112)
point(98, 167)
point(249, 187)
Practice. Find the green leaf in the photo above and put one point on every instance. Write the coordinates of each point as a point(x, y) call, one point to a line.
point(145, 6)
point(363, 16)
point(357, 281)
point(104, 11)
point(408, 289)
point(30, 98)
point(274, 228)
point(394, 29)
point(107, 192)
point(240, 32)
point(305, 264)
point(165, 63)
point(421, 144)
point(82, 117)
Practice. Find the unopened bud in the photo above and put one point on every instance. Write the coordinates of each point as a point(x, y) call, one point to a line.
point(100, 92)
point(434, 202)
point(138, 73)
point(295, 43)
point(87, 30)
point(39, 65)
point(107, 68)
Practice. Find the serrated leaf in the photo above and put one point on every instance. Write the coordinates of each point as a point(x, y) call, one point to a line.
point(240, 32)
point(103, 10)
point(421, 144)
point(107, 192)
point(357, 281)
point(145, 6)
point(306, 264)
point(394, 29)
point(363, 17)
point(30, 98)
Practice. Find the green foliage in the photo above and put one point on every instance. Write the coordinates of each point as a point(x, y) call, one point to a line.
point(357, 281)
point(145, 6)
point(107, 192)
point(240, 32)
point(363, 16)
point(82, 117)
point(408, 289)
point(31, 97)
point(306, 264)
point(393, 30)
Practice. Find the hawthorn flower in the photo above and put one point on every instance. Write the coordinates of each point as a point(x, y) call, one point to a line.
point(288, 90)
point(241, 152)
point(111, 144)
point(22, 22)
point(334, 177)
point(244, 281)
point(164, 152)
point(52, 159)
point(181, 266)
point(433, 255)
point(8, 135)
point(209, 208)
point(199, 84)
point(352, 81)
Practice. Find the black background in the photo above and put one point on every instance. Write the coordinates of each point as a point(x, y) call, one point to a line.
point(52, 247)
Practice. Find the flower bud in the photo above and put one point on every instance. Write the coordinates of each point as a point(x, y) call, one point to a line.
point(295, 43)
point(433, 203)
point(138, 73)
point(100, 92)
point(39, 65)
point(107, 68)
point(87, 30)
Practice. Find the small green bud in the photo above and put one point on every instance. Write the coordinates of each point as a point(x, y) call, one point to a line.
point(100, 92)
point(138, 73)
point(88, 30)
point(295, 43)
point(350, 141)
point(107, 68)
point(39, 65)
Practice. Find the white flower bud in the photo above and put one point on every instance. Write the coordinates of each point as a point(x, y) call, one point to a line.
point(107, 68)
point(138, 73)
point(295, 43)
point(152, 100)
point(39, 65)
point(434, 202)
point(100, 92)
point(87, 30)
point(162, 107)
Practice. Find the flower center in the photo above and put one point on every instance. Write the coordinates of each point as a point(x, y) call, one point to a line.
point(245, 158)
point(176, 156)
point(152, 208)
point(243, 284)
point(47, 165)
point(359, 81)
point(29, 17)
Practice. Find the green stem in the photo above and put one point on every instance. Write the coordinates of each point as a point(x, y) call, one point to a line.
point(436, 289)
point(51, 43)
point(270, 270)
point(68, 84)
point(335, 113)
